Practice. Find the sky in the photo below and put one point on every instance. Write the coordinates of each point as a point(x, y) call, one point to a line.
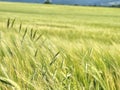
point(81, 2)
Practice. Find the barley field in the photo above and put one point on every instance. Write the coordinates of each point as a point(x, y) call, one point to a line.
point(58, 47)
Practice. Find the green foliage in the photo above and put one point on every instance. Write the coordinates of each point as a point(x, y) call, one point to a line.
point(47, 2)
point(49, 47)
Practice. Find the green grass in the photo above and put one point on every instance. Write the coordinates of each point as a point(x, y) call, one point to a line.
point(69, 47)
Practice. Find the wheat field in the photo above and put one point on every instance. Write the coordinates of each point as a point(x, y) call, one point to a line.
point(58, 47)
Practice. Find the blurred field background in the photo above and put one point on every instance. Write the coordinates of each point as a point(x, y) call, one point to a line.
point(57, 47)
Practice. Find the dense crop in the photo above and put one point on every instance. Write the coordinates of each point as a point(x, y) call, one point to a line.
point(52, 47)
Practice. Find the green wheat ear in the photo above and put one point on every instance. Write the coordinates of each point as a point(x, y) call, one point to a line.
point(20, 27)
point(9, 82)
point(12, 23)
point(8, 22)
